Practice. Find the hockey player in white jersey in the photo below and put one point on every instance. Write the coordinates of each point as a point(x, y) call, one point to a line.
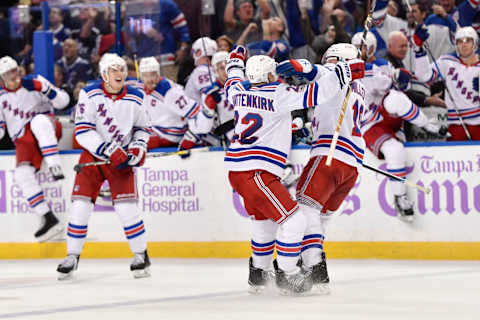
point(257, 156)
point(388, 108)
point(321, 188)
point(167, 105)
point(111, 123)
point(216, 110)
point(460, 72)
point(203, 75)
point(26, 111)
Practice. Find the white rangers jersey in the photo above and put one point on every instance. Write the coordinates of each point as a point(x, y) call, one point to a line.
point(381, 97)
point(263, 123)
point(18, 107)
point(169, 109)
point(204, 124)
point(101, 117)
point(200, 78)
point(459, 80)
point(350, 145)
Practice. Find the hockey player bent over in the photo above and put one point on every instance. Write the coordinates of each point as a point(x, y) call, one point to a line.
point(321, 188)
point(110, 124)
point(167, 106)
point(26, 110)
point(257, 156)
point(388, 108)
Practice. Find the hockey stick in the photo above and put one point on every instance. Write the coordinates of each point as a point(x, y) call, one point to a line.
point(79, 166)
point(394, 177)
point(333, 144)
point(429, 52)
point(135, 59)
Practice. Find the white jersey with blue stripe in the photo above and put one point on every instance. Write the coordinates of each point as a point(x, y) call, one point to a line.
point(350, 145)
point(459, 80)
point(101, 117)
point(169, 110)
point(377, 83)
point(262, 135)
point(18, 107)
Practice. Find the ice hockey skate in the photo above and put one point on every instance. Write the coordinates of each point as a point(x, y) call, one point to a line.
point(321, 281)
point(294, 283)
point(49, 227)
point(404, 207)
point(56, 172)
point(259, 280)
point(66, 267)
point(140, 265)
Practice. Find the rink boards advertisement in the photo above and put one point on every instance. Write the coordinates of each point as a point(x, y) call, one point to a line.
point(190, 210)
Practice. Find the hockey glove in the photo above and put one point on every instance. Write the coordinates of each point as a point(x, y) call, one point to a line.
point(213, 90)
point(402, 78)
point(212, 97)
point(40, 84)
point(137, 152)
point(349, 71)
point(114, 152)
point(436, 129)
point(189, 141)
point(300, 68)
point(236, 58)
point(421, 35)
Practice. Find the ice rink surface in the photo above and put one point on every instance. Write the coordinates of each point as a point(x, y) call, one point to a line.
point(213, 289)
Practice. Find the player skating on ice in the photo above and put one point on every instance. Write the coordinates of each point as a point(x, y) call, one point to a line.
point(257, 157)
point(322, 187)
point(111, 123)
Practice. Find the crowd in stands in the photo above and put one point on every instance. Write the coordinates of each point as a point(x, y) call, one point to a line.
point(84, 30)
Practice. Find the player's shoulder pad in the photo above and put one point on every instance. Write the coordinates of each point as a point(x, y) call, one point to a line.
point(246, 84)
point(94, 85)
point(379, 62)
point(163, 86)
point(134, 91)
point(450, 56)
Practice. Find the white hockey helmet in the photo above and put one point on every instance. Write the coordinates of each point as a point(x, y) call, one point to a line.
point(341, 51)
point(371, 42)
point(219, 57)
point(6, 64)
point(467, 32)
point(111, 60)
point(203, 47)
point(149, 64)
point(259, 67)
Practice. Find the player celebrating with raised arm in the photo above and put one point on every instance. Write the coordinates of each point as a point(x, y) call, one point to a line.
point(111, 123)
point(322, 188)
point(26, 110)
point(167, 106)
point(258, 154)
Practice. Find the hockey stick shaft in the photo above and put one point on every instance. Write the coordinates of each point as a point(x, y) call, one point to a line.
point(333, 144)
point(78, 167)
point(394, 177)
